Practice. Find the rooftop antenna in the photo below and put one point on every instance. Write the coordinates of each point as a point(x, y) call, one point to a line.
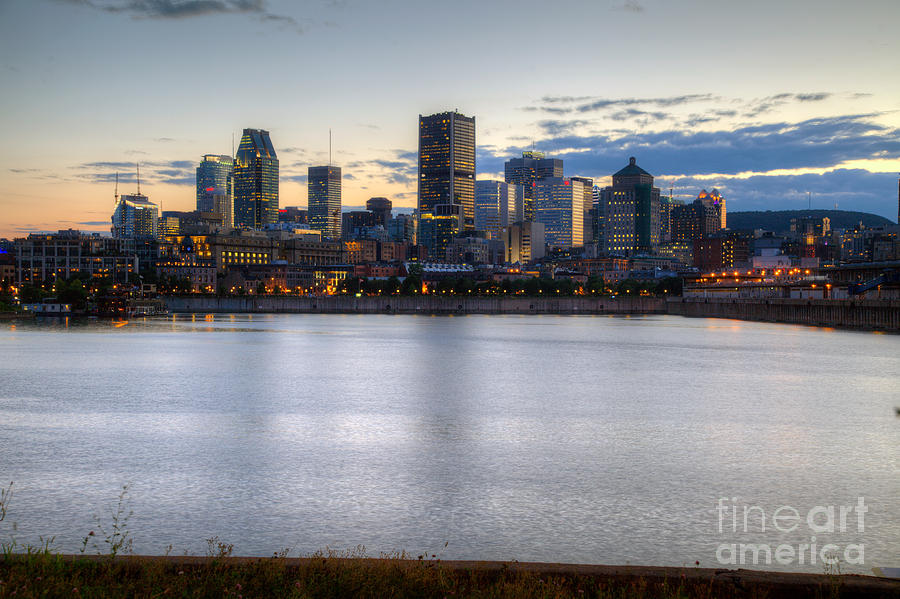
point(671, 190)
point(117, 188)
point(329, 147)
point(139, 177)
point(809, 200)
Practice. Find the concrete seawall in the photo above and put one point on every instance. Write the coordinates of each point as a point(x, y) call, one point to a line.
point(883, 315)
point(428, 304)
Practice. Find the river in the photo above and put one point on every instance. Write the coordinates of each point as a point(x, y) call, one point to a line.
point(594, 439)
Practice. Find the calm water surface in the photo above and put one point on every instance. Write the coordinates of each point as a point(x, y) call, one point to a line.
point(580, 439)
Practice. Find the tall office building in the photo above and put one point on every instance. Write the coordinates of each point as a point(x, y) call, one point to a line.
point(667, 204)
point(559, 206)
point(324, 200)
point(696, 220)
point(447, 171)
point(528, 169)
point(630, 212)
point(524, 242)
point(495, 206)
point(255, 181)
point(588, 220)
point(438, 228)
point(381, 208)
point(214, 187)
point(135, 216)
point(598, 223)
point(716, 200)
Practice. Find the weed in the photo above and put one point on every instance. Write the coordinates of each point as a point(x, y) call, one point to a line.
point(218, 549)
point(117, 537)
point(5, 497)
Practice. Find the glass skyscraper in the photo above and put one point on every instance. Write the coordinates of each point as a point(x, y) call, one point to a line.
point(324, 199)
point(214, 187)
point(255, 181)
point(447, 166)
point(495, 206)
point(559, 206)
point(135, 217)
point(526, 171)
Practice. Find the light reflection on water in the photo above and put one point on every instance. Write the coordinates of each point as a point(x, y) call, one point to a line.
point(584, 439)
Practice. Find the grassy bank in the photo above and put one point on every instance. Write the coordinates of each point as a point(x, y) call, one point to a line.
point(44, 574)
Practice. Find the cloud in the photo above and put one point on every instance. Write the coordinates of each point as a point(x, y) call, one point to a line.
point(850, 189)
point(291, 150)
point(555, 127)
point(630, 113)
point(812, 97)
point(584, 104)
point(349, 176)
point(814, 143)
point(401, 168)
point(295, 178)
point(93, 223)
point(692, 157)
point(630, 6)
point(184, 9)
point(171, 172)
point(759, 106)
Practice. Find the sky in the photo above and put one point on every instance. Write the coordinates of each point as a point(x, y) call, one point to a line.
point(774, 103)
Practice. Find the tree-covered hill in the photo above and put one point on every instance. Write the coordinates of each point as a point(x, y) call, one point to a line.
point(780, 220)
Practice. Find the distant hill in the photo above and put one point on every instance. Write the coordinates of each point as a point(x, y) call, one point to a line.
point(780, 220)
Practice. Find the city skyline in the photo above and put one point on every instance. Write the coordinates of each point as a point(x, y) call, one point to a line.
point(765, 119)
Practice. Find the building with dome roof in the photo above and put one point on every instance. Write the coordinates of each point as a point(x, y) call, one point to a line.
point(629, 210)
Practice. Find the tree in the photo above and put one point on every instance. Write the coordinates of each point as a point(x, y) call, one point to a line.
point(446, 286)
point(30, 294)
point(464, 286)
point(411, 285)
point(71, 292)
point(669, 286)
point(565, 287)
point(595, 286)
point(532, 286)
point(392, 286)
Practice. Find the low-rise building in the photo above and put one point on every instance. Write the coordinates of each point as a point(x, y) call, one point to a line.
point(44, 257)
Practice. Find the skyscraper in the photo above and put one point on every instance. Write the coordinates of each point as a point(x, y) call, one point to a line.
point(214, 187)
point(255, 181)
point(696, 220)
point(528, 169)
point(135, 216)
point(630, 208)
point(324, 200)
point(588, 220)
point(559, 206)
point(381, 208)
point(716, 200)
point(447, 167)
point(495, 206)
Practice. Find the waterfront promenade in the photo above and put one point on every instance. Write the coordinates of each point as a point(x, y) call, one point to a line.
point(881, 315)
point(425, 304)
